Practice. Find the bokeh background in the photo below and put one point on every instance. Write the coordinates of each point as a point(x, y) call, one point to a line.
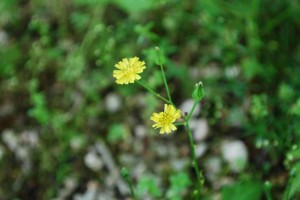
point(67, 129)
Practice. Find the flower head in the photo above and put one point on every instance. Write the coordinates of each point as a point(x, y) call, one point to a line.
point(128, 70)
point(165, 120)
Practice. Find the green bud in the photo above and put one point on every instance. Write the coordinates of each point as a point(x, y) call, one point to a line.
point(125, 172)
point(160, 58)
point(198, 92)
point(268, 185)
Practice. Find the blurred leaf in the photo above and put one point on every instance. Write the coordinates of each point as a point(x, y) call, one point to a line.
point(250, 68)
point(293, 187)
point(117, 132)
point(296, 108)
point(133, 6)
point(148, 185)
point(74, 66)
point(179, 183)
point(90, 2)
point(259, 106)
point(250, 190)
point(285, 92)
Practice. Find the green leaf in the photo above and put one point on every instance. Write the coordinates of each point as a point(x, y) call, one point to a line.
point(179, 183)
point(294, 188)
point(259, 106)
point(250, 190)
point(135, 5)
point(148, 185)
point(117, 132)
point(296, 108)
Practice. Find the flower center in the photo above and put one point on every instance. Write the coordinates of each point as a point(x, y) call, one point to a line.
point(167, 119)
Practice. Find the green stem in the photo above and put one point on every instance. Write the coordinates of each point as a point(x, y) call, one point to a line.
point(195, 162)
point(166, 84)
point(154, 93)
point(179, 123)
point(131, 187)
point(288, 189)
point(126, 175)
point(192, 110)
point(268, 193)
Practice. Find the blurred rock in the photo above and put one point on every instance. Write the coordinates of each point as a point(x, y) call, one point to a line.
point(180, 164)
point(77, 143)
point(112, 102)
point(1, 152)
point(77, 99)
point(236, 117)
point(140, 131)
point(232, 71)
point(200, 149)
point(30, 137)
point(90, 194)
point(161, 150)
point(139, 170)
point(107, 194)
point(127, 159)
point(187, 105)
point(138, 146)
point(114, 177)
point(164, 150)
point(6, 109)
point(3, 38)
point(10, 139)
point(70, 185)
point(212, 167)
point(199, 128)
point(66, 44)
point(212, 70)
point(22, 153)
point(235, 154)
point(93, 161)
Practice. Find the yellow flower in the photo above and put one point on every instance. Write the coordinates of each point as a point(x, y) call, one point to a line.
point(164, 120)
point(128, 70)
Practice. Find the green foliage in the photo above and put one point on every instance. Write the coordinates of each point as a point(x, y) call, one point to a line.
point(259, 106)
point(296, 108)
point(148, 186)
point(56, 61)
point(250, 190)
point(117, 133)
point(39, 110)
point(293, 190)
point(179, 183)
point(132, 6)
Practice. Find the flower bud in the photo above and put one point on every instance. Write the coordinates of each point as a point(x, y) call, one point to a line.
point(125, 172)
point(198, 92)
point(160, 59)
point(268, 185)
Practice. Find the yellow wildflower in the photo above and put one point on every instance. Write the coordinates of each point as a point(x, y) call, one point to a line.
point(128, 70)
point(165, 120)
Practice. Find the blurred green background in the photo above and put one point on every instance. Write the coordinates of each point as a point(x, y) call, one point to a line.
point(67, 129)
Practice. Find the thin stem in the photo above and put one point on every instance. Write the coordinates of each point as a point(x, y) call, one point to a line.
point(154, 93)
point(192, 110)
point(195, 162)
point(288, 189)
point(179, 123)
point(126, 175)
point(268, 193)
point(166, 84)
point(131, 187)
